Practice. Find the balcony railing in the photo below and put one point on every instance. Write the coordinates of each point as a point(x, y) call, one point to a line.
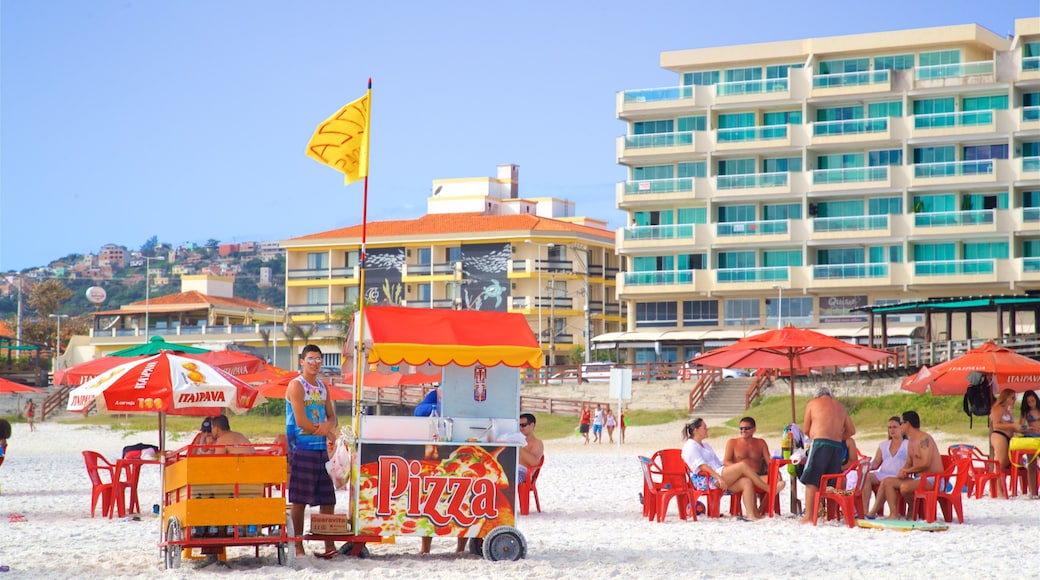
point(651, 140)
point(749, 180)
point(849, 271)
point(666, 232)
point(321, 273)
point(751, 87)
point(975, 217)
point(954, 168)
point(1031, 264)
point(850, 175)
point(738, 134)
point(961, 119)
point(859, 223)
point(1031, 214)
point(961, 69)
point(850, 79)
point(756, 228)
point(850, 127)
point(1031, 113)
point(659, 94)
point(1031, 63)
point(767, 274)
point(681, 184)
point(658, 277)
point(954, 267)
point(1030, 164)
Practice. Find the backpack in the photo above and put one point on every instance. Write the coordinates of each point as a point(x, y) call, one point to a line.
point(978, 399)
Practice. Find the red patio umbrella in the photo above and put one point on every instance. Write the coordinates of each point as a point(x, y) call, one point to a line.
point(794, 349)
point(1010, 369)
point(276, 389)
point(232, 362)
point(8, 387)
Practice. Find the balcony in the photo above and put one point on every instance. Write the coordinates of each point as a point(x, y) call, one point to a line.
point(660, 147)
point(754, 90)
point(841, 227)
point(764, 275)
point(739, 138)
point(1030, 118)
point(1030, 68)
point(654, 233)
point(957, 219)
point(1030, 165)
point(1031, 215)
point(755, 228)
point(649, 191)
point(955, 75)
point(954, 124)
point(851, 83)
point(850, 130)
point(849, 178)
point(777, 180)
point(984, 268)
point(840, 275)
point(648, 103)
point(954, 172)
point(658, 278)
point(322, 273)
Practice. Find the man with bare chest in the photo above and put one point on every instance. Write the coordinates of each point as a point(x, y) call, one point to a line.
point(748, 449)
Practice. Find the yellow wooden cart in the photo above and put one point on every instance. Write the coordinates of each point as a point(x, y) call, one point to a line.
point(215, 501)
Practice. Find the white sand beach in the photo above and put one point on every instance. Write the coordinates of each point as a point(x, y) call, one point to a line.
point(590, 527)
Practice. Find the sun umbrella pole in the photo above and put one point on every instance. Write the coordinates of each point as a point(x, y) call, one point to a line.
point(794, 419)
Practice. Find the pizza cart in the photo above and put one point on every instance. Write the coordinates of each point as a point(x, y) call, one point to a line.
point(453, 474)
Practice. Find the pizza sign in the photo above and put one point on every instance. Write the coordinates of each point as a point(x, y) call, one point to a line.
point(440, 498)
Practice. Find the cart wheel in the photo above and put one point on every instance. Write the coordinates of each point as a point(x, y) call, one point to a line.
point(505, 543)
point(352, 549)
point(174, 535)
point(287, 550)
point(476, 546)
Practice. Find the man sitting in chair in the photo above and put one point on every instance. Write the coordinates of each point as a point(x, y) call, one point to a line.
point(231, 442)
point(530, 454)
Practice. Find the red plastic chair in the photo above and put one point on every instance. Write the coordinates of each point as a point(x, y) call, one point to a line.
point(942, 490)
point(673, 473)
point(1021, 462)
point(524, 489)
point(849, 504)
point(650, 488)
point(111, 491)
point(983, 470)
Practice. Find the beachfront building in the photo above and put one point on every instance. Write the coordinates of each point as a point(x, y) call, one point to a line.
point(797, 181)
point(480, 247)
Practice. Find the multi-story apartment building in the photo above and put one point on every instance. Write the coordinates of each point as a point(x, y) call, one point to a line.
point(113, 255)
point(480, 247)
point(793, 182)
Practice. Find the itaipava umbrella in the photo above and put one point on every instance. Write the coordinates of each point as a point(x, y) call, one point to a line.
point(1010, 369)
point(232, 362)
point(155, 345)
point(790, 348)
point(10, 387)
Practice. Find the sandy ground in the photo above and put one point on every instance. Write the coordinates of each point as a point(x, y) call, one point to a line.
point(590, 527)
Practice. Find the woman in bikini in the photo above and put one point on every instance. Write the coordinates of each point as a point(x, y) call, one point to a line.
point(1029, 416)
point(1002, 418)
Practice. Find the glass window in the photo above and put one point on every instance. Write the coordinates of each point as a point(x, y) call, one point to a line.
point(885, 157)
point(939, 57)
point(692, 215)
point(934, 106)
point(780, 258)
point(934, 252)
point(850, 65)
point(783, 211)
point(692, 169)
point(317, 296)
point(700, 312)
point(692, 261)
point(736, 260)
point(455, 254)
point(834, 256)
point(985, 103)
point(894, 62)
point(885, 206)
point(782, 118)
point(1031, 149)
point(656, 314)
point(995, 151)
point(885, 109)
point(703, 78)
point(699, 123)
point(423, 292)
point(736, 213)
point(839, 113)
point(781, 164)
point(651, 127)
point(317, 260)
point(653, 218)
point(424, 255)
point(734, 75)
point(985, 250)
point(839, 161)
point(652, 172)
point(846, 208)
point(934, 154)
point(735, 120)
point(942, 202)
point(736, 166)
point(742, 313)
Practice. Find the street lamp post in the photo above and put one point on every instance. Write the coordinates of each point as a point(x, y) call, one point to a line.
point(588, 297)
point(57, 341)
point(147, 292)
point(779, 306)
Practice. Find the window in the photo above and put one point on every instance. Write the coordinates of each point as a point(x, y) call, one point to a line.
point(653, 218)
point(317, 260)
point(652, 172)
point(885, 206)
point(781, 164)
point(729, 260)
point(934, 106)
point(693, 215)
point(847, 208)
point(656, 314)
point(651, 127)
point(942, 202)
point(699, 123)
point(839, 113)
point(653, 263)
point(934, 155)
point(736, 213)
point(735, 120)
point(701, 78)
point(318, 297)
point(782, 118)
point(986, 251)
point(736, 166)
point(423, 292)
point(976, 152)
point(839, 161)
point(985, 103)
point(895, 62)
point(700, 312)
point(736, 75)
point(782, 211)
point(851, 65)
point(885, 109)
point(885, 157)
point(939, 57)
point(781, 258)
point(692, 261)
point(423, 256)
point(742, 313)
point(692, 169)
point(934, 252)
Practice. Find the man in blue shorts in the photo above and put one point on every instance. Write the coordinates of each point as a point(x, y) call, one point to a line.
point(826, 424)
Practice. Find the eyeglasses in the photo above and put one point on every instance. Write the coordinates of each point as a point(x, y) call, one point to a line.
point(743, 428)
point(312, 360)
point(524, 424)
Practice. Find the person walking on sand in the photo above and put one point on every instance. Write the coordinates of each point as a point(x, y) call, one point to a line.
point(310, 418)
point(597, 425)
point(826, 425)
point(30, 414)
point(922, 456)
point(585, 422)
point(622, 423)
point(611, 424)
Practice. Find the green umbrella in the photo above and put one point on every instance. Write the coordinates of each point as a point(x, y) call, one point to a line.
point(156, 345)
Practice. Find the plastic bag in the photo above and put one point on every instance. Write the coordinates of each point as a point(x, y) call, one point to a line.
point(338, 465)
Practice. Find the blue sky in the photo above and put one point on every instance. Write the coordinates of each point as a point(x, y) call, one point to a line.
point(187, 120)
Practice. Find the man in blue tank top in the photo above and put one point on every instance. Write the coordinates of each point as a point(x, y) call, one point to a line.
point(310, 418)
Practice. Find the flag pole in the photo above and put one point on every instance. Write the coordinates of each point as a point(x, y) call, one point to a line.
point(362, 257)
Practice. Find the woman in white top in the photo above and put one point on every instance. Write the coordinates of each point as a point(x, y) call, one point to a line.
point(736, 478)
point(889, 459)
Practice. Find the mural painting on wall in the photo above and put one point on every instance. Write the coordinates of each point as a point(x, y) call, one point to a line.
point(485, 284)
point(383, 267)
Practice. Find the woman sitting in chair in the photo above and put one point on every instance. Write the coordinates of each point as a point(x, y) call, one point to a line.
point(705, 463)
point(890, 457)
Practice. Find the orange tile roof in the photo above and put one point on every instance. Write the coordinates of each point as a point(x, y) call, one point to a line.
point(193, 298)
point(435, 224)
point(5, 330)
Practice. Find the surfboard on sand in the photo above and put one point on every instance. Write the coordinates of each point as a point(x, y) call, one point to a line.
point(903, 525)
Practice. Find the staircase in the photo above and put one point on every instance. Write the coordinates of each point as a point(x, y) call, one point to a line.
point(724, 400)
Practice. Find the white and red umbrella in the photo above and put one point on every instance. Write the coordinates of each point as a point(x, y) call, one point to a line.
point(1010, 370)
point(7, 386)
point(165, 383)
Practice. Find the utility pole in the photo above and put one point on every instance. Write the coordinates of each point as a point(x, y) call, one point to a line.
point(552, 320)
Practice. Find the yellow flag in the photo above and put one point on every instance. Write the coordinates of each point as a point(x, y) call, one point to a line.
point(341, 141)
